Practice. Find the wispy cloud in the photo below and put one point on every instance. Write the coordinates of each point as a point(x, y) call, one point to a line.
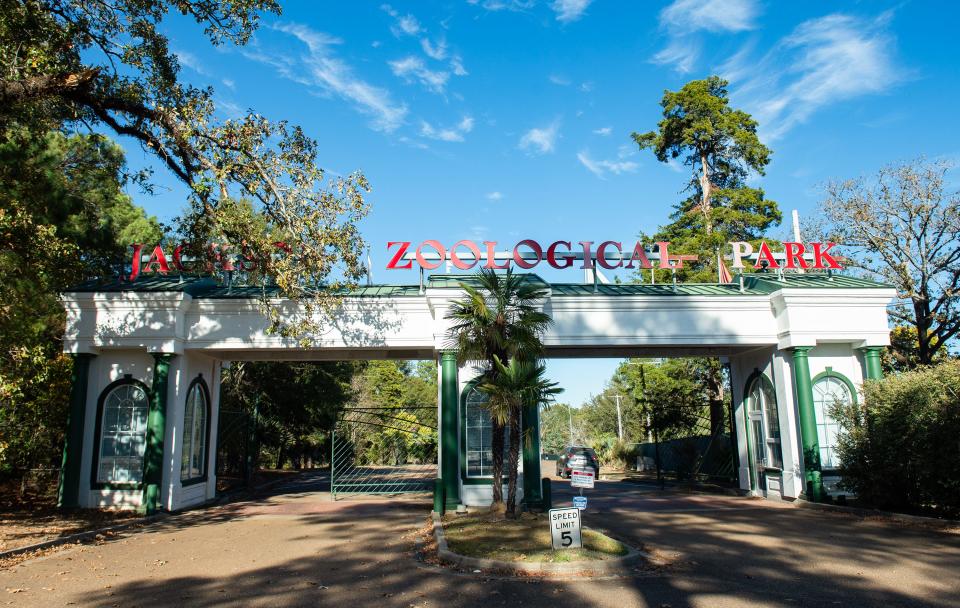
point(403, 24)
point(322, 70)
point(601, 168)
point(450, 134)
point(823, 61)
point(412, 68)
point(504, 5)
point(683, 18)
point(569, 10)
point(456, 64)
point(603, 131)
point(560, 80)
point(494, 196)
point(541, 140)
point(436, 50)
point(190, 60)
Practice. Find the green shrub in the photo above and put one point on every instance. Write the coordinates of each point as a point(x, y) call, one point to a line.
point(901, 446)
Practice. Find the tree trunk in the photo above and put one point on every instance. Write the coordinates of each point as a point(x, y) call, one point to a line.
point(705, 187)
point(715, 398)
point(514, 461)
point(921, 312)
point(496, 446)
point(280, 456)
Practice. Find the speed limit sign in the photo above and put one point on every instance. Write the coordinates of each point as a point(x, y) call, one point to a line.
point(565, 528)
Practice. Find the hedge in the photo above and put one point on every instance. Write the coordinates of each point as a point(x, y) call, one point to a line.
point(901, 445)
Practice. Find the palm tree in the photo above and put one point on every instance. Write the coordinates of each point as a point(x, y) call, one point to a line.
point(520, 383)
point(497, 319)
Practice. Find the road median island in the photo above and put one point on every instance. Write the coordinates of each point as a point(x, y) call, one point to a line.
point(481, 541)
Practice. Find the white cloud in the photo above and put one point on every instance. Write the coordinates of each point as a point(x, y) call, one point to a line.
point(494, 196)
point(586, 87)
point(411, 67)
point(541, 140)
point(569, 10)
point(405, 24)
point(501, 5)
point(188, 59)
point(456, 64)
point(438, 52)
point(600, 168)
point(229, 83)
point(683, 18)
point(559, 80)
point(603, 131)
point(823, 61)
point(320, 69)
point(450, 134)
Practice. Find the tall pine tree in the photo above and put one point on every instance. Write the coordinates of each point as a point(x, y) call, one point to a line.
point(721, 147)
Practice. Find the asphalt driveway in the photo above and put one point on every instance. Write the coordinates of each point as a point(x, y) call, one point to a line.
point(297, 548)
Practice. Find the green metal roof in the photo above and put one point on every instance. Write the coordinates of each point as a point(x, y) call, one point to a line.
point(754, 284)
point(768, 283)
point(207, 287)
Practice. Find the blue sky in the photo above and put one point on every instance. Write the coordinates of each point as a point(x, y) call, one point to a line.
point(510, 119)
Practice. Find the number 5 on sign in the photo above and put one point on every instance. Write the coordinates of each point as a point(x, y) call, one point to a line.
point(565, 528)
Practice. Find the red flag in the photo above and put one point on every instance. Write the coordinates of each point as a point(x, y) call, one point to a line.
point(723, 275)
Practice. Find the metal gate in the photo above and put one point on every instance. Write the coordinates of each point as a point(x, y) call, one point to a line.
point(383, 450)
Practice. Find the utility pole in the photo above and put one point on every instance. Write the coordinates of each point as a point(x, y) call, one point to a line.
point(570, 418)
point(619, 419)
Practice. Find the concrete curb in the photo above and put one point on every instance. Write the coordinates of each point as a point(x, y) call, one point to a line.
point(605, 567)
point(889, 515)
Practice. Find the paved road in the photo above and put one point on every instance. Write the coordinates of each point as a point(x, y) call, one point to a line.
point(297, 548)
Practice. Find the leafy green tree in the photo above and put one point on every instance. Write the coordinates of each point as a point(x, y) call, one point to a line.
point(297, 403)
point(63, 218)
point(519, 383)
point(561, 425)
point(672, 395)
point(903, 227)
point(107, 66)
point(720, 146)
point(497, 319)
point(903, 354)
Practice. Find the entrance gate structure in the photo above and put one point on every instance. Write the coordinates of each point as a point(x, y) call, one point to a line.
point(148, 356)
point(382, 450)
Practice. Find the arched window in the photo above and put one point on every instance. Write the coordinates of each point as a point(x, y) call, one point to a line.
point(764, 423)
point(122, 412)
point(196, 413)
point(829, 389)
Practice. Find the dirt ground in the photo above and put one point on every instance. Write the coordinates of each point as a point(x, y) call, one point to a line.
point(298, 548)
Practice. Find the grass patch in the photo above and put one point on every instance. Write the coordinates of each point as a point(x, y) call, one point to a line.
point(526, 539)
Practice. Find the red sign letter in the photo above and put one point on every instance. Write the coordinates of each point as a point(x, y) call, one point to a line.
point(639, 254)
point(392, 264)
point(794, 253)
point(819, 255)
point(601, 257)
point(491, 257)
point(135, 262)
point(765, 254)
point(587, 258)
point(157, 258)
point(518, 259)
point(552, 255)
point(460, 263)
point(423, 261)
